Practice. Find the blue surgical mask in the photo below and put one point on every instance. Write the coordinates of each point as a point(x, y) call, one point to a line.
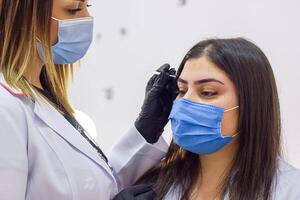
point(196, 126)
point(74, 38)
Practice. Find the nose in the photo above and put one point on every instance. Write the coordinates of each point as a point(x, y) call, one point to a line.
point(84, 13)
point(191, 95)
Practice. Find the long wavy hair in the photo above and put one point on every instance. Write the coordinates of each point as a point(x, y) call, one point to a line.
point(21, 23)
point(253, 172)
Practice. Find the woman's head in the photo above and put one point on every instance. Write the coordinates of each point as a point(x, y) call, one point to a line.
point(241, 76)
point(66, 9)
point(228, 73)
point(23, 24)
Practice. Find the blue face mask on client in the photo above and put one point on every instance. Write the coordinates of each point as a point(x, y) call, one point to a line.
point(196, 126)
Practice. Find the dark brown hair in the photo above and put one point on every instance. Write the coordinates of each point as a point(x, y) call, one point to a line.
point(255, 164)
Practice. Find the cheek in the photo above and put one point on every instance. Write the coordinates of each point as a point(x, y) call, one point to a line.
point(83, 13)
point(54, 32)
point(230, 122)
point(231, 118)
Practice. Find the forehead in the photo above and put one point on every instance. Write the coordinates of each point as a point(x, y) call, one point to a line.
point(199, 68)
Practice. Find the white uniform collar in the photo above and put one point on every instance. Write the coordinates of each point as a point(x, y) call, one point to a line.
point(50, 116)
point(12, 90)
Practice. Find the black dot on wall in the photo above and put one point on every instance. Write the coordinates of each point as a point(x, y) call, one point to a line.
point(182, 2)
point(123, 31)
point(98, 37)
point(109, 93)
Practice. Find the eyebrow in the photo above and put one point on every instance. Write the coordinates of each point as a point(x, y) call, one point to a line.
point(201, 81)
point(81, 1)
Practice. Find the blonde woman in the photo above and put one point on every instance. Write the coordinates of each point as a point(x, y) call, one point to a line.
point(44, 152)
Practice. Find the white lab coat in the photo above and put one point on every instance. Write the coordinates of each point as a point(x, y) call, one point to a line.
point(286, 186)
point(43, 157)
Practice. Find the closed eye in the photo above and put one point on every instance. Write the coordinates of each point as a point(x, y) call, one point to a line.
point(208, 94)
point(75, 10)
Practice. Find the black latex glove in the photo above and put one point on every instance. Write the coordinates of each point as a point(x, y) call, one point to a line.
point(161, 91)
point(139, 192)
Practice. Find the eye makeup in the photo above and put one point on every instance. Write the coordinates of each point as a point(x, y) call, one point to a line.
point(77, 7)
point(207, 88)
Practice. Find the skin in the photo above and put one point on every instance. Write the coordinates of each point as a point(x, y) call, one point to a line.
point(219, 92)
point(214, 165)
point(62, 9)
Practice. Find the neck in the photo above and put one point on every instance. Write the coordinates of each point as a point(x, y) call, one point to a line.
point(219, 161)
point(215, 168)
point(33, 72)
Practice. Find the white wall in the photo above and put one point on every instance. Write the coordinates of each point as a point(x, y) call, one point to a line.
point(160, 31)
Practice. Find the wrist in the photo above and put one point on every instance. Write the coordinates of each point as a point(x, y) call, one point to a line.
point(148, 130)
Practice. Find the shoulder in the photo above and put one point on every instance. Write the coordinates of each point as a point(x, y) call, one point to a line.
point(12, 106)
point(11, 99)
point(10, 103)
point(13, 123)
point(287, 170)
point(287, 182)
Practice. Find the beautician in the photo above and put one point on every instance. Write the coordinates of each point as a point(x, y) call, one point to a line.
point(44, 152)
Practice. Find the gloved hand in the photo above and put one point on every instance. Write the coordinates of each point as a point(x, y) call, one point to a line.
point(161, 91)
point(139, 192)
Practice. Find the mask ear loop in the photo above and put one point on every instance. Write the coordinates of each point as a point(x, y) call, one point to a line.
point(55, 18)
point(234, 135)
point(232, 108)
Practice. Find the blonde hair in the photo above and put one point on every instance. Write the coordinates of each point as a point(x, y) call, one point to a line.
point(21, 23)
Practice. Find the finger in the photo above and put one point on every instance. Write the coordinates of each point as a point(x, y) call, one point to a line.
point(151, 82)
point(172, 87)
point(162, 80)
point(172, 71)
point(164, 68)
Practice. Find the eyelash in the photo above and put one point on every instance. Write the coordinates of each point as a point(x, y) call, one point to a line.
point(205, 94)
point(74, 11)
point(208, 94)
